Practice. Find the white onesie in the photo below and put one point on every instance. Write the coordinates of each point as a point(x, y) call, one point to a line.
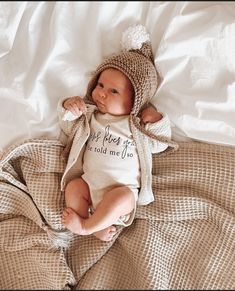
point(110, 158)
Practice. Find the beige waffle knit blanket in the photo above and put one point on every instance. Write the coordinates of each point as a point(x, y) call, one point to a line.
point(185, 239)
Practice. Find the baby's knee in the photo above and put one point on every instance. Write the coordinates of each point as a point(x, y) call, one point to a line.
point(126, 196)
point(130, 195)
point(72, 185)
point(77, 187)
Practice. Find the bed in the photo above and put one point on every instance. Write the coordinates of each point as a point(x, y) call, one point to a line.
point(185, 238)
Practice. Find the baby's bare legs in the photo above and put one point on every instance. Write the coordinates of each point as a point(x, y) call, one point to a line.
point(77, 197)
point(117, 202)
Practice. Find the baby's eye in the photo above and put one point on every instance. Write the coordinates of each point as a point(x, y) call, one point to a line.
point(100, 85)
point(114, 91)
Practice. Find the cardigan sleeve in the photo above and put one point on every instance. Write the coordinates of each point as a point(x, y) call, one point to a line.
point(161, 130)
point(65, 125)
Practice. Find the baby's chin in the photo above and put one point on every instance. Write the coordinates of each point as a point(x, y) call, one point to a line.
point(102, 110)
point(101, 107)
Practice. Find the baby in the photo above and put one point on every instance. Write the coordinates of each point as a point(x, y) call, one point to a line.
point(116, 131)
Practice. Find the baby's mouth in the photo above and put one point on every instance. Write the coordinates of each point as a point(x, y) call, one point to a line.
point(99, 104)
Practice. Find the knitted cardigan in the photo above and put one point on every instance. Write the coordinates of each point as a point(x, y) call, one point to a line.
point(76, 133)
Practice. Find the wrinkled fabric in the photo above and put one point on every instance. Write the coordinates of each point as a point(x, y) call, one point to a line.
point(184, 240)
point(49, 49)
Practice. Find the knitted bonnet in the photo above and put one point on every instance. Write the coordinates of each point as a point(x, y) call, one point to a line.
point(136, 62)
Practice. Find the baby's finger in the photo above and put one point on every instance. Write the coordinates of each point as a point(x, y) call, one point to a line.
point(82, 105)
point(78, 111)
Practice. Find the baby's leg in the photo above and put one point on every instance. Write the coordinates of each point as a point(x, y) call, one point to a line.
point(106, 234)
point(115, 203)
point(77, 198)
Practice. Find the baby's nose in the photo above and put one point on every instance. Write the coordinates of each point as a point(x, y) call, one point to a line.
point(102, 94)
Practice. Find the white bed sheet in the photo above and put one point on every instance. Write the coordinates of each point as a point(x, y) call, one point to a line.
point(48, 49)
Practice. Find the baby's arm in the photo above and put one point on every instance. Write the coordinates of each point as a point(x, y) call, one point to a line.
point(150, 115)
point(68, 113)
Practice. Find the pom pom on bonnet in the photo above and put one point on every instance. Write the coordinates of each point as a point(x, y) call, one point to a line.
point(136, 62)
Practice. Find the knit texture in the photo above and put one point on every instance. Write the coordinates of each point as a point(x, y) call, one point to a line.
point(153, 141)
point(184, 240)
point(136, 63)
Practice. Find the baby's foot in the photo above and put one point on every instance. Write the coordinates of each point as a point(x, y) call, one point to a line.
point(72, 221)
point(106, 234)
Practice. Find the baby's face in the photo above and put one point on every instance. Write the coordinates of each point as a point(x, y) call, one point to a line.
point(113, 93)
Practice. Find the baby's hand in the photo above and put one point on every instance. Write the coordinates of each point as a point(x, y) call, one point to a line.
point(150, 114)
point(75, 105)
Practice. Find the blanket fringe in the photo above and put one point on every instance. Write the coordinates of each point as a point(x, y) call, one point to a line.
point(60, 238)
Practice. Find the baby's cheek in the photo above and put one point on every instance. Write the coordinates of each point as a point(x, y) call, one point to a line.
point(93, 94)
